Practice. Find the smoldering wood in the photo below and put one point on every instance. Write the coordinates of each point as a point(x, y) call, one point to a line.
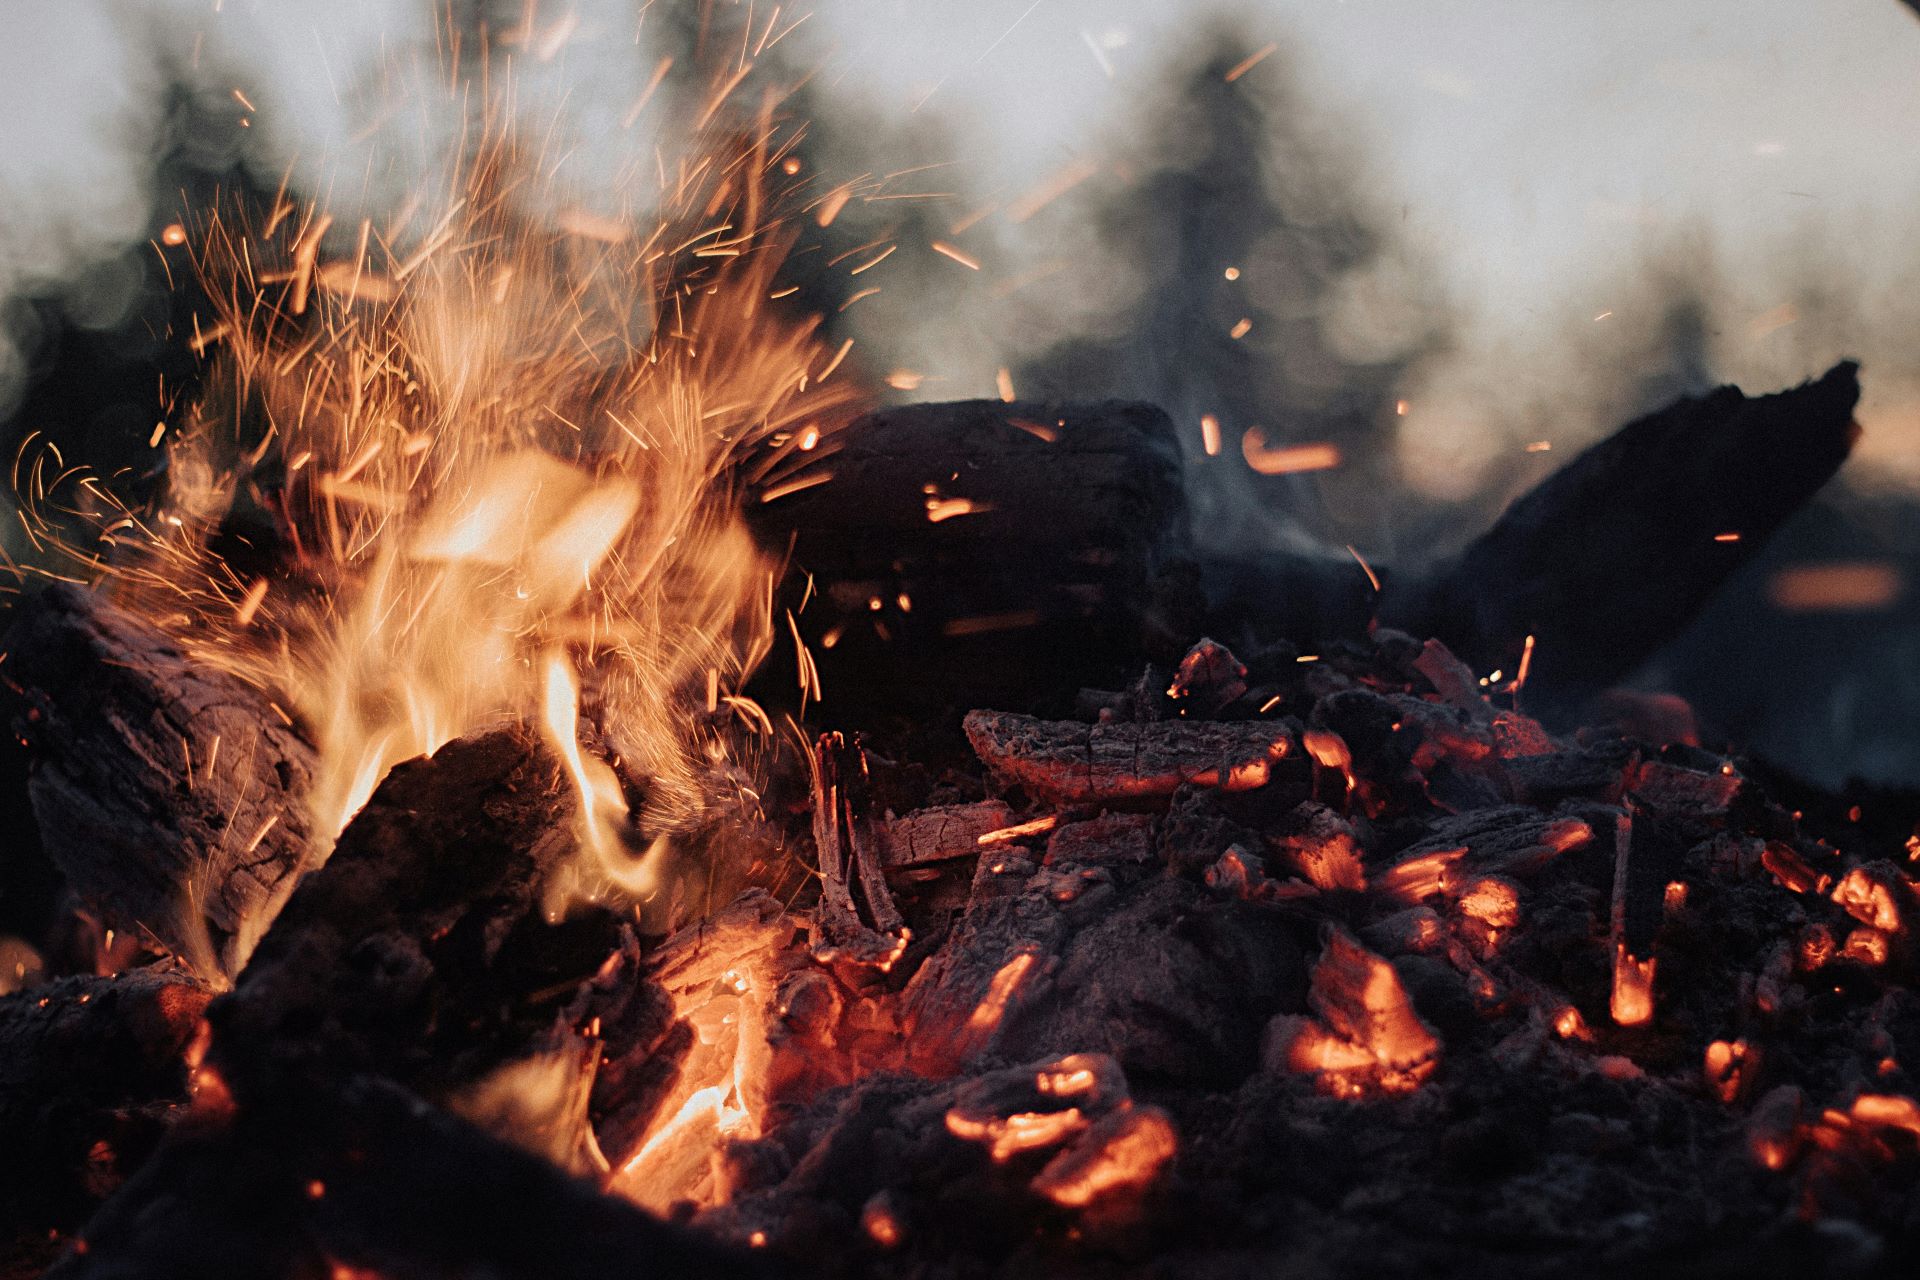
point(1065, 762)
point(172, 795)
point(1010, 548)
point(362, 1177)
point(92, 1071)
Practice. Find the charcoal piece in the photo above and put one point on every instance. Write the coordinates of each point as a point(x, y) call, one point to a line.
point(1064, 762)
point(170, 793)
point(1207, 679)
point(364, 1179)
point(1197, 829)
point(1613, 554)
point(1319, 845)
point(1024, 539)
point(92, 1070)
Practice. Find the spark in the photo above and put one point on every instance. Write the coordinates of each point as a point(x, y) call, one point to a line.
point(1009, 31)
point(1271, 460)
point(964, 259)
point(1050, 190)
point(941, 509)
point(830, 207)
point(1099, 54)
point(795, 486)
point(1210, 434)
point(1365, 568)
point(1251, 61)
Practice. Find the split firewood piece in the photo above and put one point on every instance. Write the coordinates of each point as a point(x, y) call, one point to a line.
point(170, 793)
point(1064, 762)
point(1613, 554)
point(942, 833)
point(92, 1071)
point(422, 951)
point(858, 921)
point(364, 1179)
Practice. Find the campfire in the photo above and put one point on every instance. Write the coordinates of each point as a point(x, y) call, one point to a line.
point(560, 785)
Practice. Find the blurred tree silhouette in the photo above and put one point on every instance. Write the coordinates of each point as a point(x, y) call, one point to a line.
point(110, 351)
point(1241, 215)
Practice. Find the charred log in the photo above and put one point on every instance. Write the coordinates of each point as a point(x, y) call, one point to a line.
point(982, 553)
point(1613, 554)
point(171, 794)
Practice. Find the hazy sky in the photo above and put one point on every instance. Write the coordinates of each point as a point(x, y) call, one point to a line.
point(1535, 150)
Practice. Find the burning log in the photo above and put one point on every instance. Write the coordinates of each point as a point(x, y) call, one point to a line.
point(92, 1071)
point(1064, 762)
point(421, 952)
point(172, 795)
point(1614, 553)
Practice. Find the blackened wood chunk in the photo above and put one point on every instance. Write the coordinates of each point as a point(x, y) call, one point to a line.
point(91, 1072)
point(170, 793)
point(980, 552)
point(1613, 554)
point(367, 1180)
point(421, 951)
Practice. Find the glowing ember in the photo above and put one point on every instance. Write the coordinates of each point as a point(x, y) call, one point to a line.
point(1366, 1037)
point(1631, 1003)
point(1279, 460)
point(1729, 1068)
point(1124, 1152)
